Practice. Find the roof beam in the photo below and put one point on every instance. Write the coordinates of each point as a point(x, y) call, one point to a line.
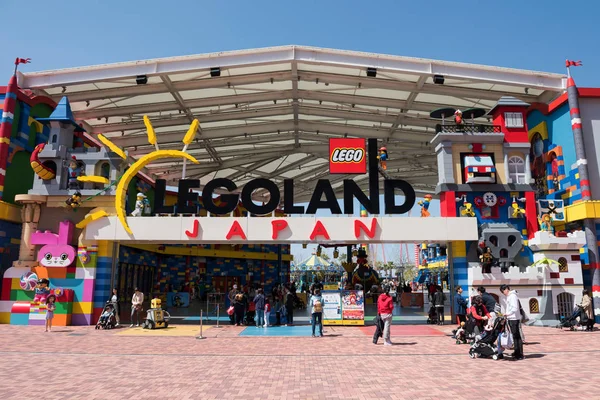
point(365, 116)
point(251, 168)
point(180, 86)
point(380, 83)
point(191, 104)
point(295, 101)
point(409, 102)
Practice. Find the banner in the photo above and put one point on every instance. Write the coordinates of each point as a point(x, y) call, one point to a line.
point(353, 307)
point(332, 307)
point(179, 299)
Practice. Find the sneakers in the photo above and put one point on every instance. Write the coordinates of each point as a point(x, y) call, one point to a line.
point(131, 326)
point(137, 325)
point(388, 344)
point(500, 357)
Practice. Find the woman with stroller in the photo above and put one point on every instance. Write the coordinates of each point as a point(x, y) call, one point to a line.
point(114, 300)
point(479, 313)
point(586, 307)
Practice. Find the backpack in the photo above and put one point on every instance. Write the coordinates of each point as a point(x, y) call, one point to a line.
point(318, 306)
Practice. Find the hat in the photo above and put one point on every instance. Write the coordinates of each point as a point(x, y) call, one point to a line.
point(140, 194)
point(458, 112)
point(383, 149)
point(235, 286)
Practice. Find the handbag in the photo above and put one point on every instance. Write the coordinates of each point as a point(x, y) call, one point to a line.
point(230, 310)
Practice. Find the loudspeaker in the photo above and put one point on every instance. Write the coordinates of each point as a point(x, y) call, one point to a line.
point(438, 79)
point(372, 72)
point(141, 79)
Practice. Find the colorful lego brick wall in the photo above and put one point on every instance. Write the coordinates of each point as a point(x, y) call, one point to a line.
point(28, 313)
point(26, 134)
point(10, 240)
point(101, 291)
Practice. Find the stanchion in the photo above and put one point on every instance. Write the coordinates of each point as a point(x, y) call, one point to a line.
point(218, 309)
point(201, 318)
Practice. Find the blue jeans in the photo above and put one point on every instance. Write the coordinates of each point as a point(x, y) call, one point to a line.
point(317, 316)
point(260, 317)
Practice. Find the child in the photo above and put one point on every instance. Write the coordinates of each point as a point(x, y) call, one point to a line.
point(460, 335)
point(105, 315)
point(50, 307)
point(267, 312)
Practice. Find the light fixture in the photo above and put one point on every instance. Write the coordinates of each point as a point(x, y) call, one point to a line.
point(319, 251)
point(304, 245)
point(438, 79)
point(336, 253)
point(272, 80)
point(64, 89)
point(87, 103)
point(141, 79)
point(372, 72)
point(526, 90)
point(215, 71)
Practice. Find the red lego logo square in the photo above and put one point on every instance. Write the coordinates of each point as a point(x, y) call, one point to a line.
point(347, 156)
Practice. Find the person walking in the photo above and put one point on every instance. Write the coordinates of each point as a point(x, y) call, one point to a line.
point(136, 306)
point(438, 301)
point(231, 298)
point(460, 306)
point(385, 308)
point(289, 307)
point(259, 307)
point(513, 315)
point(316, 305)
point(114, 300)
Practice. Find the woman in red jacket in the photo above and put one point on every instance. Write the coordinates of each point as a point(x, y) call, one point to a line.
point(385, 307)
point(479, 312)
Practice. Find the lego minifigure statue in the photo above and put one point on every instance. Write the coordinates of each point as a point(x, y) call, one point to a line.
point(383, 157)
point(486, 260)
point(74, 201)
point(74, 171)
point(516, 211)
point(425, 205)
point(467, 210)
point(546, 224)
point(458, 119)
point(141, 204)
point(41, 291)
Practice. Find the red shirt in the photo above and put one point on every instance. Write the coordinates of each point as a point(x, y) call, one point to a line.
point(385, 304)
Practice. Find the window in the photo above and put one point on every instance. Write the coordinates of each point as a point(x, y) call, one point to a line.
point(563, 266)
point(534, 306)
point(513, 120)
point(516, 170)
point(565, 303)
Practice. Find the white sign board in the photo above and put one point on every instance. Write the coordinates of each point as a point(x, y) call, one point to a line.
point(284, 230)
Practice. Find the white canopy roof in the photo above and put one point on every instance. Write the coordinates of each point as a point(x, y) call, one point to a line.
point(270, 112)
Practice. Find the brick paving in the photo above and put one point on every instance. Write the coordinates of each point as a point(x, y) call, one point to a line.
point(82, 363)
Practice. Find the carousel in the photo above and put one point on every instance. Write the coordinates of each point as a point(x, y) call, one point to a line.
point(316, 267)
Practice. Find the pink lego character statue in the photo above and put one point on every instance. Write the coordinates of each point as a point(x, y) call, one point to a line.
point(57, 252)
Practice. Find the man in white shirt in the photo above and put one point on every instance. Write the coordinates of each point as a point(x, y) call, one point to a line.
point(136, 306)
point(513, 315)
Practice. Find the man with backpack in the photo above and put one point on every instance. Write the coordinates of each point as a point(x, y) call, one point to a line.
point(316, 304)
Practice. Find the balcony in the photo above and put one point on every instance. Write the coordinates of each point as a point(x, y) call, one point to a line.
point(468, 128)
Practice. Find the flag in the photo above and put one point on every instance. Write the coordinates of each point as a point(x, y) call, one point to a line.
point(569, 63)
point(22, 61)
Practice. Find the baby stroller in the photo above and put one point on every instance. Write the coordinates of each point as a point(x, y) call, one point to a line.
point(486, 346)
point(249, 318)
point(571, 322)
point(433, 316)
point(107, 319)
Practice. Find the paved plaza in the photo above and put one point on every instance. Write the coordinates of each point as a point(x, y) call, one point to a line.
point(284, 363)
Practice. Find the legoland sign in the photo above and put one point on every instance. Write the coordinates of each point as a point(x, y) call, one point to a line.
point(347, 156)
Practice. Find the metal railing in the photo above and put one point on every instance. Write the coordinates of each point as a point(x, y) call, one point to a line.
point(468, 128)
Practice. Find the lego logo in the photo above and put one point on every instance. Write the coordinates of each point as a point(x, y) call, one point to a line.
point(347, 155)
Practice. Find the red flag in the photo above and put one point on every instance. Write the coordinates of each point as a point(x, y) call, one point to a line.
point(569, 63)
point(22, 61)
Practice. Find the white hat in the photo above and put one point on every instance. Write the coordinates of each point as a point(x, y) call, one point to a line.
point(140, 194)
point(458, 112)
point(235, 286)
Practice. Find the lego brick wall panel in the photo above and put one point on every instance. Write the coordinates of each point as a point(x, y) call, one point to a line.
point(10, 239)
point(590, 119)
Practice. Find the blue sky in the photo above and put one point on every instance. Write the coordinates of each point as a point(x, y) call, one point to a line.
point(517, 34)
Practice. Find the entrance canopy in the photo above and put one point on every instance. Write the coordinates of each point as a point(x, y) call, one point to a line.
point(269, 113)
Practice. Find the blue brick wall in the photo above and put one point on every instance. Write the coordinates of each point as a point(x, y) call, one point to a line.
point(102, 289)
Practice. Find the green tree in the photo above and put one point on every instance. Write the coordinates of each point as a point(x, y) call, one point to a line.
point(410, 272)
